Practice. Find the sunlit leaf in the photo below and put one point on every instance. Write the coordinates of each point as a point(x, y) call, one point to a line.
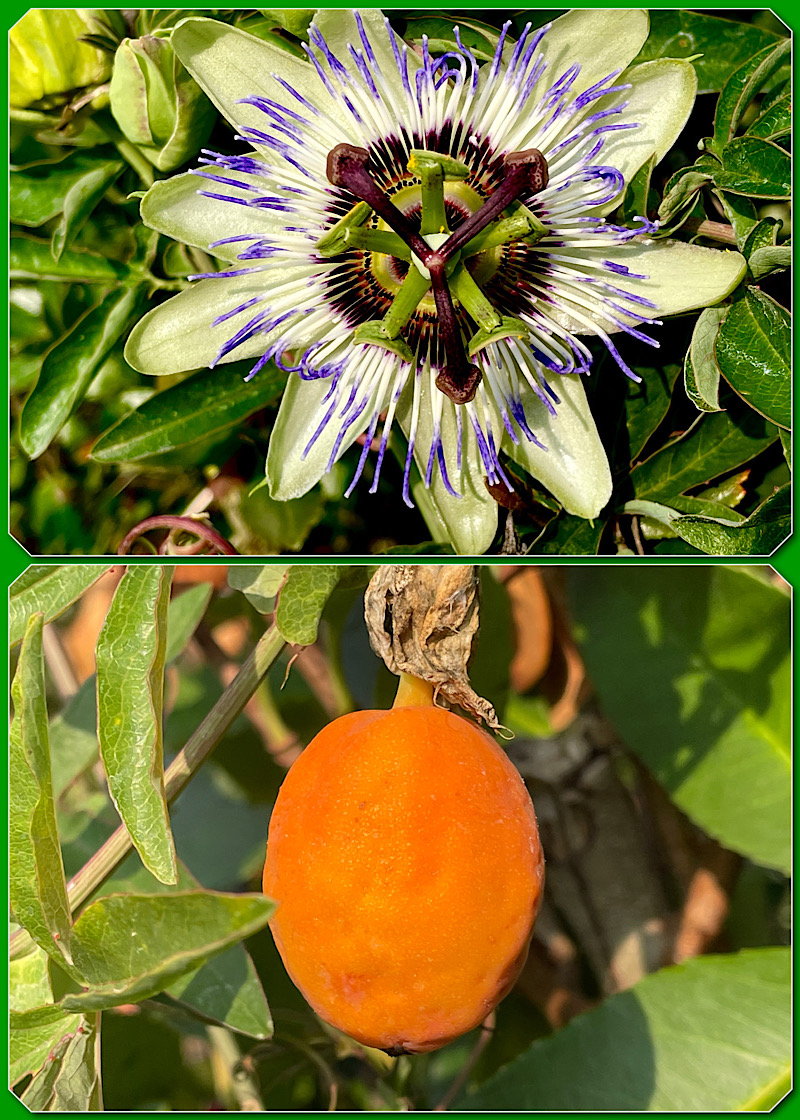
point(130, 658)
point(302, 599)
point(695, 675)
point(129, 947)
point(710, 1035)
point(49, 588)
point(37, 890)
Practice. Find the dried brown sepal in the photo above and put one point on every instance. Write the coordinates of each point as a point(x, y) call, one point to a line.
point(422, 620)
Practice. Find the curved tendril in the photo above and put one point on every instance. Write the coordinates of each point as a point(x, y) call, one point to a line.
point(207, 537)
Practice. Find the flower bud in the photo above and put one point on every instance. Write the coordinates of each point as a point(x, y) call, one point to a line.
point(48, 59)
point(157, 104)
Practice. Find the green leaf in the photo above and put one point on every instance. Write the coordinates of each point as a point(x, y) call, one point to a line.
point(258, 583)
point(49, 588)
point(225, 988)
point(228, 990)
point(741, 88)
point(646, 404)
point(73, 732)
point(659, 521)
point(753, 351)
point(69, 1080)
point(786, 444)
point(293, 20)
point(700, 370)
point(80, 200)
point(264, 526)
point(28, 979)
point(183, 617)
point(69, 367)
point(30, 259)
point(714, 445)
point(764, 255)
point(207, 404)
point(130, 656)
point(302, 599)
point(741, 213)
point(759, 535)
point(37, 890)
point(757, 168)
point(73, 737)
point(33, 1035)
point(770, 259)
point(706, 506)
point(571, 536)
point(129, 947)
point(710, 1035)
point(721, 44)
point(40, 191)
point(763, 235)
point(775, 122)
point(694, 672)
point(528, 716)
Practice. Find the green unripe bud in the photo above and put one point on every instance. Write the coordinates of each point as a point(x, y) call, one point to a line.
point(157, 104)
point(47, 59)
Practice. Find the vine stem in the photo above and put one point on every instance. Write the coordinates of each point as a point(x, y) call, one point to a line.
point(185, 765)
point(716, 231)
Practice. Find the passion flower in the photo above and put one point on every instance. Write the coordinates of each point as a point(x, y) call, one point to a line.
point(422, 239)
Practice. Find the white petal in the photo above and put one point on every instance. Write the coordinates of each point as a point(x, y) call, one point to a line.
point(468, 522)
point(574, 468)
point(178, 335)
point(229, 64)
point(600, 40)
point(681, 277)
point(661, 100)
point(174, 207)
point(339, 29)
point(289, 473)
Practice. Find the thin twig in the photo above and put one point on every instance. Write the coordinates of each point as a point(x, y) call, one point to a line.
point(59, 664)
point(236, 1083)
point(637, 539)
point(486, 1032)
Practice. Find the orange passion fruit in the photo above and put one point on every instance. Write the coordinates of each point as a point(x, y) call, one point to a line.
point(405, 859)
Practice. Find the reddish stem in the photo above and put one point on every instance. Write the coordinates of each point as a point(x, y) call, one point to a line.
point(190, 525)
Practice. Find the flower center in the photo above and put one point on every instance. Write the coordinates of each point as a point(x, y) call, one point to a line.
point(441, 260)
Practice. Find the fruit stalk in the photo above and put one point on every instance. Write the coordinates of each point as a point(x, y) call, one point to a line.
point(422, 620)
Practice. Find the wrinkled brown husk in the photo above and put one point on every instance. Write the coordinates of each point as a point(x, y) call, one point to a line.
point(422, 620)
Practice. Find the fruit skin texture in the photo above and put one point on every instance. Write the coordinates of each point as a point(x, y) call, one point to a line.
point(404, 855)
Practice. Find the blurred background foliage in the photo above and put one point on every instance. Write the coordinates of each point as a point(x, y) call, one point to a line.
point(101, 108)
point(651, 717)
